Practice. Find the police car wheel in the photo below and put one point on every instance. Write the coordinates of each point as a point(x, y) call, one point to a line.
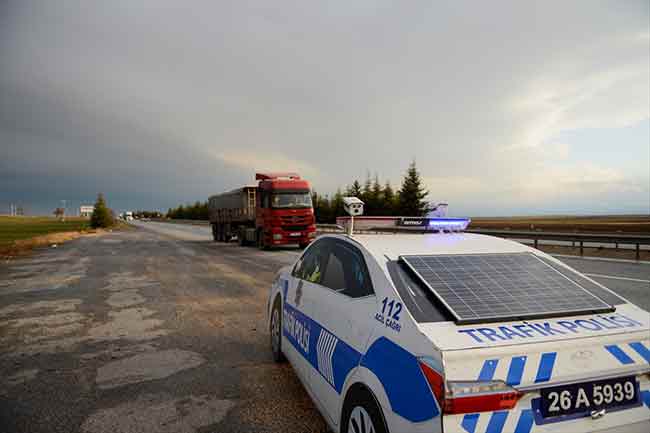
point(276, 332)
point(362, 415)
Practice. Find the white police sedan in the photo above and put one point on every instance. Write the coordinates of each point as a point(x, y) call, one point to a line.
point(458, 333)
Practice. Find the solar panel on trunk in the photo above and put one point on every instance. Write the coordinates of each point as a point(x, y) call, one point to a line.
point(484, 287)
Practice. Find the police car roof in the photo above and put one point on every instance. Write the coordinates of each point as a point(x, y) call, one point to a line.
point(392, 246)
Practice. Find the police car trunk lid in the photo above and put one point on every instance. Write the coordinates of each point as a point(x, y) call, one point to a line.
point(580, 346)
point(575, 349)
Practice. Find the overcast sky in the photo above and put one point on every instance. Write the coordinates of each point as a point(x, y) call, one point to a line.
point(507, 107)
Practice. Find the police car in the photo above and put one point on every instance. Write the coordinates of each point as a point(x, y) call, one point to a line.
point(458, 332)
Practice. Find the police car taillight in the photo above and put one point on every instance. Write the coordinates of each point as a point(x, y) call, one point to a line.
point(479, 396)
point(436, 382)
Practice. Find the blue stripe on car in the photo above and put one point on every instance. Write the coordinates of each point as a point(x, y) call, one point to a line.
point(469, 422)
point(641, 350)
point(497, 421)
point(645, 396)
point(525, 422)
point(516, 370)
point(488, 369)
point(618, 353)
point(545, 369)
point(399, 372)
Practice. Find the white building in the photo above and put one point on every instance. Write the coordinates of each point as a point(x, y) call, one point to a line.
point(86, 211)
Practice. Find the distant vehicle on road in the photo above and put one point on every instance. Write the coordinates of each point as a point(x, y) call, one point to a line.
point(276, 211)
point(128, 216)
point(461, 333)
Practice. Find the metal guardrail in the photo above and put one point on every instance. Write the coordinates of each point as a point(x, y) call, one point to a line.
point(536, 236)
point(579, 238)
point(576, 238)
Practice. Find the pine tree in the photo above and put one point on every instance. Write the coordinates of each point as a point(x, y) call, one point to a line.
point(412, 193)
point(354, 190)
point(101, 217)
point(366, 192)
point(388, 199)
point(377, 198)
point(337, 205)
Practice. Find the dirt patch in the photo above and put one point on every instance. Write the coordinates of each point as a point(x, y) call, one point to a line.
point(159, 413)
point(20, 377)
point(119, 352)
point(59, 306)
point(29, 330)
point(131, 323)
point(145, 367)
point(231, 273)
point(24, 246)
point(52, 276)
point(120, 281)
point(125, 298)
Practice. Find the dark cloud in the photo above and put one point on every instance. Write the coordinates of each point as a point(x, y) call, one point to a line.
point(155, 103)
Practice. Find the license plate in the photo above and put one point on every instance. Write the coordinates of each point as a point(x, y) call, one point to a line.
point(589, 396)
point(295, 234)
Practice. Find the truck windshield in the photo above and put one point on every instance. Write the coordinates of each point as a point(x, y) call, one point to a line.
point(291, 200)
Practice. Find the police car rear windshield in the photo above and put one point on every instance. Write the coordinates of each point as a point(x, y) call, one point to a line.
point(492, 287)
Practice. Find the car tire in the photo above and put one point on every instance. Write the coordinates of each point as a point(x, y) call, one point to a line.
point(275, 329)
point(362, 414)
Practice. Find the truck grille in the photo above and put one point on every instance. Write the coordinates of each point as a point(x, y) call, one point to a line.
point(295, 220)
point(294, 228)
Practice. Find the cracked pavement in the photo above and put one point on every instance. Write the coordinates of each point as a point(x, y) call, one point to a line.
point(143, 331)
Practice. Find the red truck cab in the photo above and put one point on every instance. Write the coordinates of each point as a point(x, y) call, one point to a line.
point(284, 213)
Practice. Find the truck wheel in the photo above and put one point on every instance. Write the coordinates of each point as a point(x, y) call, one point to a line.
point(303, 245)
point(215, 235)
point(241, 237)
point(261, 240)
point(226, 233)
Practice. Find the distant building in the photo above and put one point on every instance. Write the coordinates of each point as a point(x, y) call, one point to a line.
point(86, 211)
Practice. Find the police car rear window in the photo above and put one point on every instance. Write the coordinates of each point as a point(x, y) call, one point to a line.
point(421, 302)
point(492, 287)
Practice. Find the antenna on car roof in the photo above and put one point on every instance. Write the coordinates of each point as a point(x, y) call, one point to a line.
point(354, 207)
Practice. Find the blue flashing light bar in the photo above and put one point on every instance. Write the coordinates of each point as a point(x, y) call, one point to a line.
point(439, 224)
point(449, 224)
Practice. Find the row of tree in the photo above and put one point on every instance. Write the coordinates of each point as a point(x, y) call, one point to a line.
point(147, 214)
point(196, 211)
point(379, 199)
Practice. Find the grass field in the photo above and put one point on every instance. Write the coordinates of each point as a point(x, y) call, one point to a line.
point(584, 224)
point(17, 228)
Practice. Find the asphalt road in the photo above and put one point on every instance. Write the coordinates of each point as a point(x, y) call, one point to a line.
point(139, 331)
point(161, 330)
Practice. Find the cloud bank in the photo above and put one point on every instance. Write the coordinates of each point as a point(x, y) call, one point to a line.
point(507, 107)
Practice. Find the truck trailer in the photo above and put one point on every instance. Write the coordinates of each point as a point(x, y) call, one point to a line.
point(276, 211)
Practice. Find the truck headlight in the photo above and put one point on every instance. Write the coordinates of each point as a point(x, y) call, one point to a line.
point(312, 234)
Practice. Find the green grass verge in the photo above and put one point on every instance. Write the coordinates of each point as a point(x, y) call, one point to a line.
point(15, 228)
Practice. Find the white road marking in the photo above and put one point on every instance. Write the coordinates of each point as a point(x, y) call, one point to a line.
point(613, 277)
